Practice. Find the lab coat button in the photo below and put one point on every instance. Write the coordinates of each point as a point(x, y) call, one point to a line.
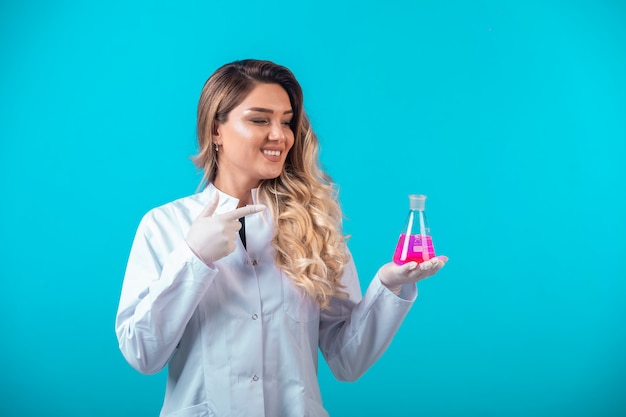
point(255, 316)
point(254, 262)
point(255, 378)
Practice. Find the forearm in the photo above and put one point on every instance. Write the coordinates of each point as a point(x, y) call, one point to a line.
point(365, 335)
point(152, 319)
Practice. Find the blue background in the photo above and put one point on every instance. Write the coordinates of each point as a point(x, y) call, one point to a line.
point(510, 116)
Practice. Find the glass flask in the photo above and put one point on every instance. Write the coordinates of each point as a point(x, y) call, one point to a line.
point(415, 243)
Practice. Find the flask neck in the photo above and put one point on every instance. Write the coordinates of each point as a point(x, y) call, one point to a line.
point(416, 223)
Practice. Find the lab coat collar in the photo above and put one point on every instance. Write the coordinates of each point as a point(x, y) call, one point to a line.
point(226, 202)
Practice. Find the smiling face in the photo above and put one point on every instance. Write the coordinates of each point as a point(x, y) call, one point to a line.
point(254, 140)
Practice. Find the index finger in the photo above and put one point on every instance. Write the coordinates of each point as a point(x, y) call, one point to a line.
point(244, 211)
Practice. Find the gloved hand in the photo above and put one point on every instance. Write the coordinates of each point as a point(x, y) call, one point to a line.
point(212, 237)
point(395, 276)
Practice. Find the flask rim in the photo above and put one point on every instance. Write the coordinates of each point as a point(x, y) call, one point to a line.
point(417, 201)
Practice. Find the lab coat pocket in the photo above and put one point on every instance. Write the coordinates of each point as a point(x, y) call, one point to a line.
point(297, 304)
point(198, 410)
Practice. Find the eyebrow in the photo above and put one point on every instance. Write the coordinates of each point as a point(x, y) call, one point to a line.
point(264, 110)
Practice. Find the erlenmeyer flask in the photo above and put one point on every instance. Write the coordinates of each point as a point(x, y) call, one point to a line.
point(415, 243)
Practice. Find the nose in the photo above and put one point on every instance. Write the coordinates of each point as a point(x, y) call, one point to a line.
point(277, 133)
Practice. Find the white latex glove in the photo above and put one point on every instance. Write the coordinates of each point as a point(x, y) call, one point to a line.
point(212, 237)
point(395, 276)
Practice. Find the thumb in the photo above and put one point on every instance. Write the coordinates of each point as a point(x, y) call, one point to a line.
point(395, 269)
point(406, 268)
point(209, 209)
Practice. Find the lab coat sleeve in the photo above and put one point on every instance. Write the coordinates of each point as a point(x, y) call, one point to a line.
point(163, 284)
point(356, 331)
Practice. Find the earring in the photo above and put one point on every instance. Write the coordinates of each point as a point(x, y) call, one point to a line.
point(217, 148)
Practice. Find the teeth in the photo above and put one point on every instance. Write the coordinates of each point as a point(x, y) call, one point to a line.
point(272, 153)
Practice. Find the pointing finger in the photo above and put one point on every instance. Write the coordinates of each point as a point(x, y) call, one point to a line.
point(244, 211)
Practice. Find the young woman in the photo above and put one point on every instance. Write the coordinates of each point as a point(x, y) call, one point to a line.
point(236, 287)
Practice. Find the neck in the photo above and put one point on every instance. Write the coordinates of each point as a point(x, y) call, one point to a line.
point(241, 191)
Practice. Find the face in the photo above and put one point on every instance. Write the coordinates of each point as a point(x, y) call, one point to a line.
point(255, 139)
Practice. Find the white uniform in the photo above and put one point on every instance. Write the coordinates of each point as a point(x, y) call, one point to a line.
point(238, 337)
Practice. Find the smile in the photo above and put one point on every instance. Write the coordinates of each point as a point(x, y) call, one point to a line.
point(271, 153)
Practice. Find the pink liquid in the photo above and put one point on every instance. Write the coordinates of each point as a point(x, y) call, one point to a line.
point(420, 248)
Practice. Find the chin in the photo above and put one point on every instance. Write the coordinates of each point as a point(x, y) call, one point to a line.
point(272, 176)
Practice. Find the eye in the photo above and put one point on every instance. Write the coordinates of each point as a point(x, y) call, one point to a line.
point(287, 123)
point(259, 121)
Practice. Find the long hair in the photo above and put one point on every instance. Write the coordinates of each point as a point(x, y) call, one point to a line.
point(308, 240)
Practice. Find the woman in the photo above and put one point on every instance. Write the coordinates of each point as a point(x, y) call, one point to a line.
point(236, 287)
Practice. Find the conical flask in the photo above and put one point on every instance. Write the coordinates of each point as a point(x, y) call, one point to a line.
point(415, 243)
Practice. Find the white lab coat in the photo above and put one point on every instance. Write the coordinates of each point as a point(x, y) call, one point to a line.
point(238, 337)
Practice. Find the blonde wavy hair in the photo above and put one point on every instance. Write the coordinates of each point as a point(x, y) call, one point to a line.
point(308, 239)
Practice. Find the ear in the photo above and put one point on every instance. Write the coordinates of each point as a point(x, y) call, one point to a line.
point(217, 136)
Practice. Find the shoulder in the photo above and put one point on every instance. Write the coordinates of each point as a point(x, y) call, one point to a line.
point(180, 212)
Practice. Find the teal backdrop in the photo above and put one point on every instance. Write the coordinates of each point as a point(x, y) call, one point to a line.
point(509, 115)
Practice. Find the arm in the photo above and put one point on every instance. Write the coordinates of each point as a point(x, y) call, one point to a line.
point(163, 284)
point(356, 331)
point(167, 275)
